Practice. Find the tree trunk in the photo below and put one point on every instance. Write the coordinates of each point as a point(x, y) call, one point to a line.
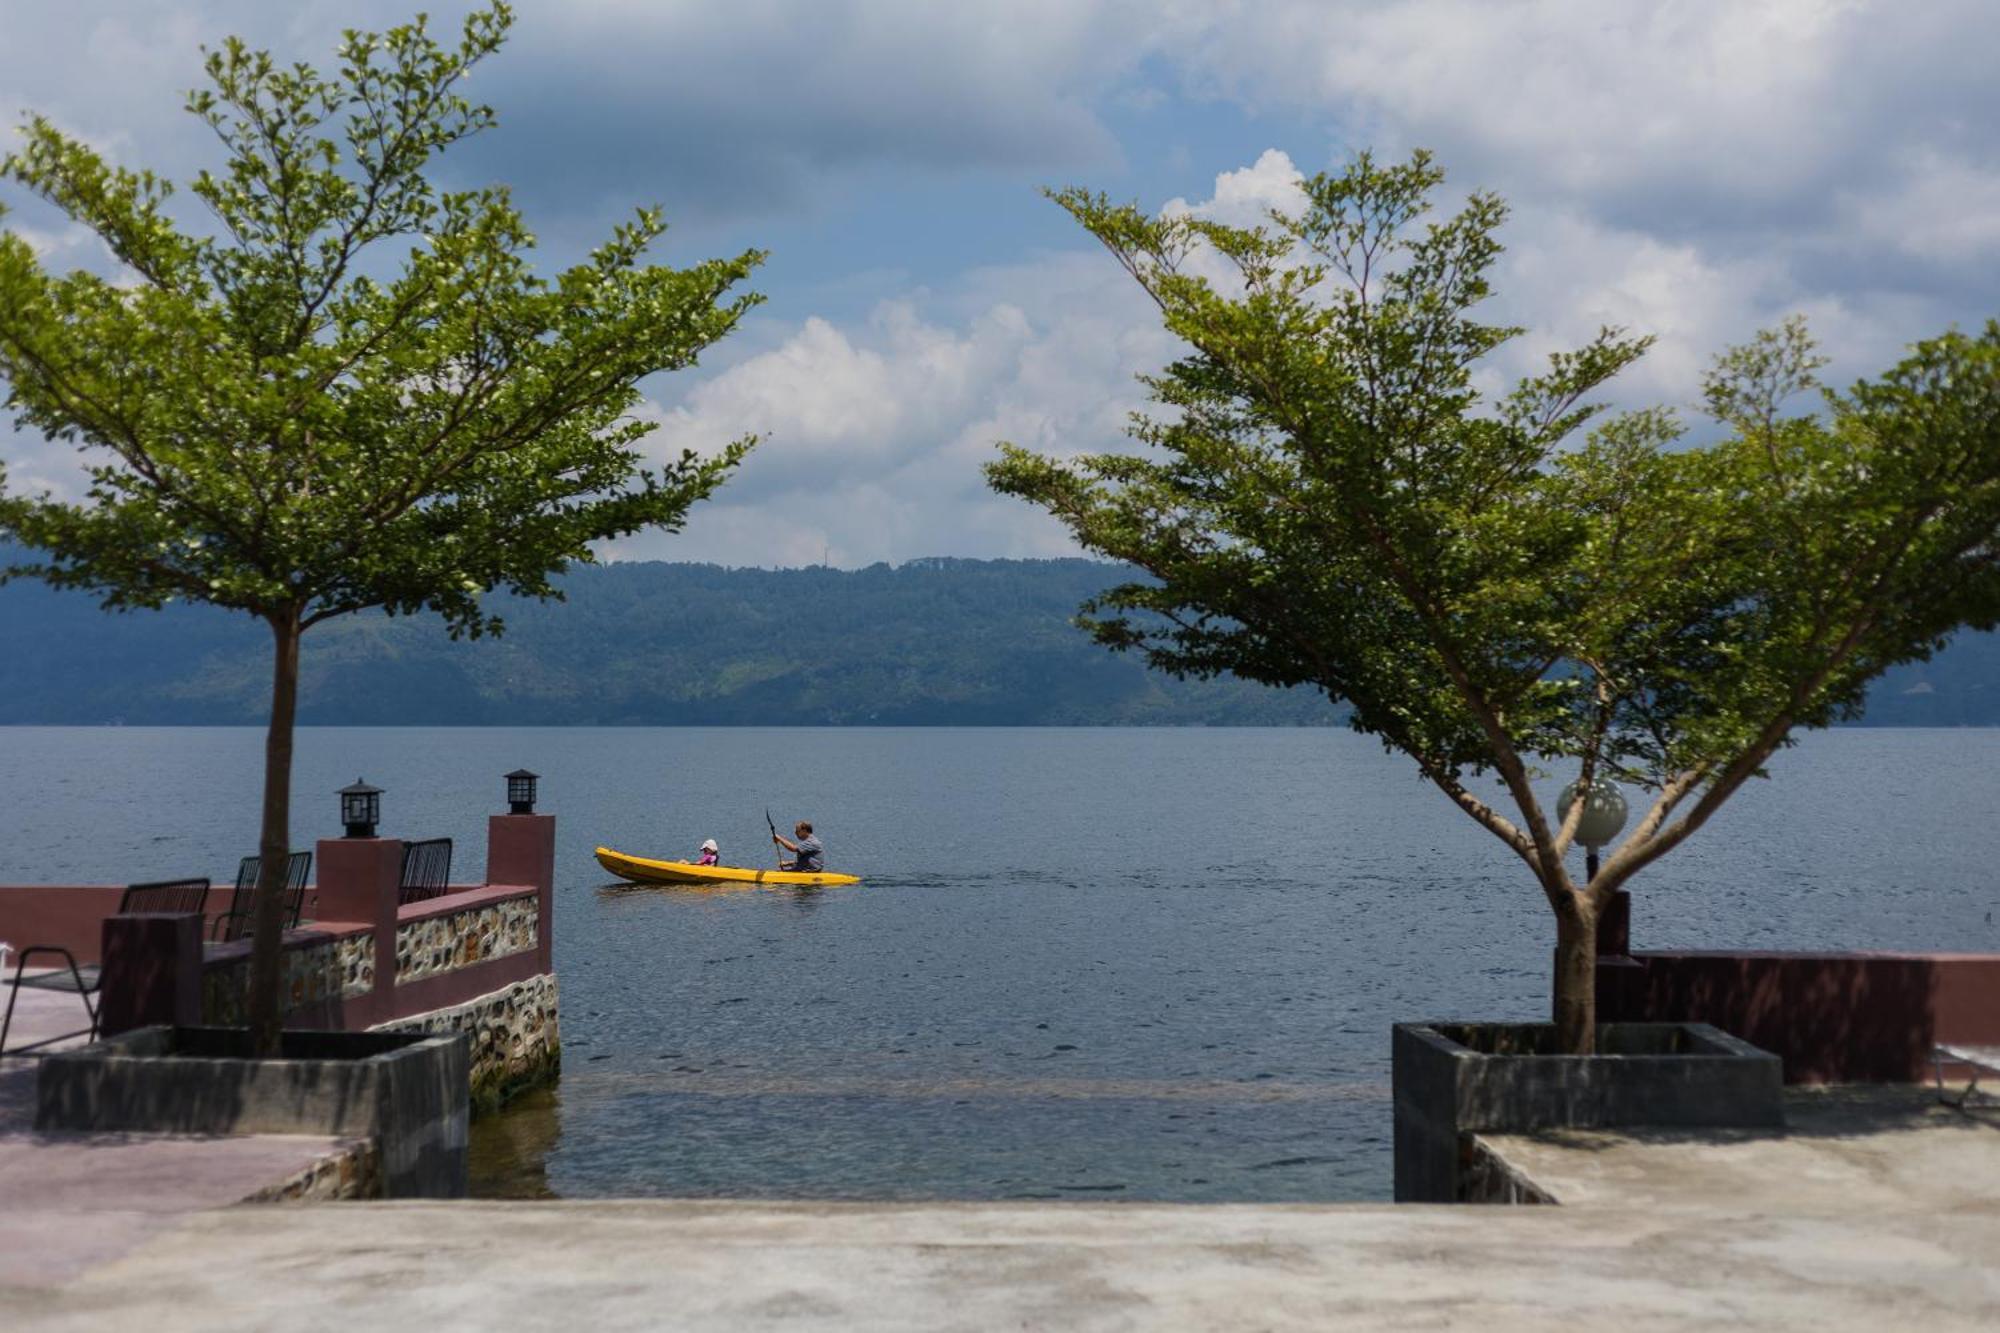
point(274, 841)
point(1576, 978)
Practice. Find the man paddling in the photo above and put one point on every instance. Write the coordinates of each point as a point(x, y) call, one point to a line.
point(807, 854)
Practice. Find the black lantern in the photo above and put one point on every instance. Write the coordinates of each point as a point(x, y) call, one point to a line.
point(521, 792)
point(360, 809)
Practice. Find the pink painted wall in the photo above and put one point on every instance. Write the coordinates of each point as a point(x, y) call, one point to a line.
point(1833, 1017)
point(72, 915)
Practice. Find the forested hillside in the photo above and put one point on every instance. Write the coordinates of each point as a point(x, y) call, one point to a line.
point(930, 642)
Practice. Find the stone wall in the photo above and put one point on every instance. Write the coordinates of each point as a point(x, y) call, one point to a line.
point(1453, 1080)
point(516, 1037)
point(356, 958)
point(354, 1172)
point(443, 944)
point(344, 968)
point(320, 971)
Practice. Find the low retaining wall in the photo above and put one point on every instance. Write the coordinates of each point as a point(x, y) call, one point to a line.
point(456, 952)
point(516, 1038)
point(71, 916)
point(1455, 1080)
point(476, 950)
point(1831, 1017)
point(476, 959)
point(325, 966)
point(463, 930)
point(406, 1093)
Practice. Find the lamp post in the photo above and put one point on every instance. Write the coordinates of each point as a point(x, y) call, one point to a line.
point(521, 792)
point(360, 808)
point(1603, 816)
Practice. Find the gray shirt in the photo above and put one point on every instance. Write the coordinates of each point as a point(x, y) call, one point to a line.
point(811, 856)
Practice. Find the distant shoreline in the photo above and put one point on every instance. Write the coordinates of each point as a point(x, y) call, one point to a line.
point(833, 726)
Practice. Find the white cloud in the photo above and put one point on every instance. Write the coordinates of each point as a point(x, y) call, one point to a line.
point(1944, 210)
point(59, 246)
point(1695, 170)
point(1565, 275)
point(876, 433)
point(1243, 198)
point(1709, 115)
point(1707, 99)
point(35, 466)
point(1246, 198)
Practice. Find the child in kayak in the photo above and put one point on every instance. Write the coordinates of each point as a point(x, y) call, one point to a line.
point(709, 855)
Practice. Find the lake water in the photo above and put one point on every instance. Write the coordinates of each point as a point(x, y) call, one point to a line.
point(1144, 964)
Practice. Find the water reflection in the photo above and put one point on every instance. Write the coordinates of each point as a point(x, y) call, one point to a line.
point(806, 898)
point(510, 1153)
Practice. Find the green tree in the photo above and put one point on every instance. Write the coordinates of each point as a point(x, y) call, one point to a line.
point(352, 391)
point(1325, 497)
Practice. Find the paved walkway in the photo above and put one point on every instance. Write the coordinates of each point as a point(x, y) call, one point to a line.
point(1844, 1151)
point(49, 1019)
point(1877, 1211)
point(69, 1202)
point(744, 1266)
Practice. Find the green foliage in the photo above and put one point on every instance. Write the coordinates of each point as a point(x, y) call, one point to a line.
point(1325, 498)
point(290, 420)
point(296, 416)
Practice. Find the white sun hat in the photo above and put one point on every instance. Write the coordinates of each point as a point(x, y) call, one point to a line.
point(708, 845)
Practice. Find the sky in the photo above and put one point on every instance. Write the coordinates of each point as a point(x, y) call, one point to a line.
point(1692, 169)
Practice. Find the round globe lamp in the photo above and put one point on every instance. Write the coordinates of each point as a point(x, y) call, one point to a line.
point(1604, 813)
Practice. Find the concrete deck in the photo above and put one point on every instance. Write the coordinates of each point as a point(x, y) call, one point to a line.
point(69, 1202)
point(1877, 1211)
point(1844, 1151)
point(741, 1266)
point(42, 1016)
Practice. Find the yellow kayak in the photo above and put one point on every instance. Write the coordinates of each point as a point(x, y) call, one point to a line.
point(648, 871)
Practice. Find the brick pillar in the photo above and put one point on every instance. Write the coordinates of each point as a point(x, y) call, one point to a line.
point(1620, 977)
point(357, 882)
point(152, 971)
point(1614, 927)
point(521, 849)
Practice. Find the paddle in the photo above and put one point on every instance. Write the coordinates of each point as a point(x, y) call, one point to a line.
point(777, 848)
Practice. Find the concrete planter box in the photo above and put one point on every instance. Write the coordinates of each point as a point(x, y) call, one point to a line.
point(1455, 1080)
point(407, 1091)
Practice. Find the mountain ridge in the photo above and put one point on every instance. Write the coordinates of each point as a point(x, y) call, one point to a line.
point(930, 642)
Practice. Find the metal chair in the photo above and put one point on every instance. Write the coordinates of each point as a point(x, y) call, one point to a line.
point(167, 895)
point(235, 923)
point(1981, 1060)
point(426, 870)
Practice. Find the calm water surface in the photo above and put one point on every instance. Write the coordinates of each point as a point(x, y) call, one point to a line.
point(1147, 964)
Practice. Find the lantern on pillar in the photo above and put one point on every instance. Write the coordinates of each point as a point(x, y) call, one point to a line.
point(360, 808)
point(521, 792)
